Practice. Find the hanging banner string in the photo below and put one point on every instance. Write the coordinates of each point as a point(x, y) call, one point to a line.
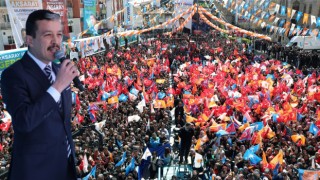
point(284, 25)
point(186, 21)
point(249, 33)
point(133, 32)
point(212, 25)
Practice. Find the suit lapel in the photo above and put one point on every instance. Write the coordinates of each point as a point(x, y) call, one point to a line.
point(34, 70)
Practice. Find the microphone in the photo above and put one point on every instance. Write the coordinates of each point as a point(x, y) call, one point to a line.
point(60, 55)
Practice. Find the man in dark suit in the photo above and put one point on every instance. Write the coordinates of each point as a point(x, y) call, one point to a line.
point(37, 95)
point(186, 133)
point(179, 114)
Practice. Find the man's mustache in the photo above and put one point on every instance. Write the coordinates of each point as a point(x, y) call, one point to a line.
point(54, 46)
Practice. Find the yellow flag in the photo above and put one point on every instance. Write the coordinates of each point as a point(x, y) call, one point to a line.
point(204, 117)
point(160, 81)
point(305, 18)
point(295, 138)
point(198, 145)
point(244, 126)
point(289, 10)
point(159, 104)
point(190, 119)
point(113, 100)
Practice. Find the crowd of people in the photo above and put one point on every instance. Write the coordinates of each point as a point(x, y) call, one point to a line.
point(224, 105)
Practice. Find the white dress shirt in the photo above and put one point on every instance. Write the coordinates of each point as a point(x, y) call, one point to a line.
point(52, 91)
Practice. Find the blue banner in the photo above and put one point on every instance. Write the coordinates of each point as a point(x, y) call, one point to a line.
point(282, 22)
point(283, 10)
point(318, 22)
point(9, 57)
point(246, 6)
point(299, 15)
point(266, 4)
point(89, 17)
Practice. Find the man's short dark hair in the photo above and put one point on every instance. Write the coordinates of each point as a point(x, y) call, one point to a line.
point(38, 15)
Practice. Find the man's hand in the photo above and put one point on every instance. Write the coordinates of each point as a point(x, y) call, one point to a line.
point(68, 71)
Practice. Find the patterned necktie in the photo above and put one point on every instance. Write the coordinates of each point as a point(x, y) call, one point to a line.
point(48, 71)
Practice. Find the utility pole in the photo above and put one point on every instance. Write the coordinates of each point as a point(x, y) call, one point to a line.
point(236, 17)
point(198, 21)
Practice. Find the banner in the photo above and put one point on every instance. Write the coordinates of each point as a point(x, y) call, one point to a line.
point(89, 17)
point(128, 14)
point(59, 7)
point(9, 57)
point(18, 11)
point(180, 7)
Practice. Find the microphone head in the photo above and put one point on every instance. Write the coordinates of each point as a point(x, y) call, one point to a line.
point(59, 54)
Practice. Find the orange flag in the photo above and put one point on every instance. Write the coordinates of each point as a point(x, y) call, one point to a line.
point(113, 100)
point(264, 159)
point(198, 145)
point(299, 139)
point(256, 138)
point(170, 102)
point(278, 159)
point(159, 104)
point(190, 119)
point(244, 126)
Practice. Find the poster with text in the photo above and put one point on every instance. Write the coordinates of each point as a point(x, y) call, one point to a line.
point(128, 13)
point(180, 7)
point(9, 57)
point(90, 22)
point(59, 7)
point(18, 11)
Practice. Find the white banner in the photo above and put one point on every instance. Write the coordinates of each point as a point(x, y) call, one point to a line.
point(293, 12)
point(277, 8)
point(313, 19)
point(18, 11)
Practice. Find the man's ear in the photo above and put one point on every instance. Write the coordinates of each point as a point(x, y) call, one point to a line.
point(29, 40)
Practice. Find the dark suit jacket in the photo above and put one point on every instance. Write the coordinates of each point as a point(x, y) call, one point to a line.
point(40, 128)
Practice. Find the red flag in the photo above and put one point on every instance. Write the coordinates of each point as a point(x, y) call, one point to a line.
point(137, 86)
point(5, 126)
point(80, 118)
point(147, 82)
point(231, 128)
point(77, 103)
point(246, 135)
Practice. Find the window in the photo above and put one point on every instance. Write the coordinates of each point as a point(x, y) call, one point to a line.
point(10, 40)
point(70, 29)
point(2, 3)
point(296, 5)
